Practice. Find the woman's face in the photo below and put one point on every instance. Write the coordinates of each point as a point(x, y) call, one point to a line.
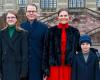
point(11, 19)
point(63, 17)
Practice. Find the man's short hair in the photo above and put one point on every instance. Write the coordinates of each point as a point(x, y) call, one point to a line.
point(31, 5)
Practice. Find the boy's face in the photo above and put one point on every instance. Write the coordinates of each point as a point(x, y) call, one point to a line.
point(85, 47)
point(75, 24)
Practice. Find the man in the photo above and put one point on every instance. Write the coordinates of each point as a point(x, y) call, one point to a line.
point(37, 35)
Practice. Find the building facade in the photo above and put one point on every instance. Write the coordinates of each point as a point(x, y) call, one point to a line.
point(49, 5)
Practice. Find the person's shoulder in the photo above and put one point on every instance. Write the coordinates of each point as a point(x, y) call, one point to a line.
point(75, 31)
point(79, 53)
point(77, 56)
point(95, 52)
point(42, 24)
point(24, 22)
point(23, 31)
point(3, 29)
point(53, 28)
point(73, 28)
point(19, 29)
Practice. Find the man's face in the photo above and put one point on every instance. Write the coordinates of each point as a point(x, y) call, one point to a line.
point(85, 47)
point(31, 12)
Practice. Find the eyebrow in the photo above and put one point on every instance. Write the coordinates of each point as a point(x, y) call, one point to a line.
point(63, 15)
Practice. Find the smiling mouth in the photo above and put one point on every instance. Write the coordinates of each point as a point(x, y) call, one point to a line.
point(85, 49)
point(10, 21)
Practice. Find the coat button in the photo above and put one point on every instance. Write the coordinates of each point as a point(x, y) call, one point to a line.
point(29, 56)
point(5, 53)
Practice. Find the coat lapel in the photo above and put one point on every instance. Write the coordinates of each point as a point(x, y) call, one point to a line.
point(8, 40)
point(58, 39)
point(70, 40)
point(32, 27)
point(15, 36)
point(82, 57)
point(89, 57)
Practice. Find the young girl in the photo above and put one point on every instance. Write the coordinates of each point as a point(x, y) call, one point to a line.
point(86, 63)
point(13, 49)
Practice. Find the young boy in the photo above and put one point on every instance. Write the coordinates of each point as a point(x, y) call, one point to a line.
point(86, 63)
point(75, 22)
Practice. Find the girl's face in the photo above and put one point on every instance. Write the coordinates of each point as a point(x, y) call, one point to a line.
point(63, 17)
point(11, 19)
point(85, 47)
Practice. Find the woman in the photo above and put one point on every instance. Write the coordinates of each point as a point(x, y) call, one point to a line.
point(63, 43)
point(13, 49)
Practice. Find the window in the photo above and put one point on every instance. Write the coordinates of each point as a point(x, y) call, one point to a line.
point(1, 2)
point(76, 3)
point(98, 3)
point(48, 4)
point(1, 5)
point(22, 3)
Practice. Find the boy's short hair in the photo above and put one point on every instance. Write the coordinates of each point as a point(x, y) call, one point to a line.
point(76, 20)
point(85, 38)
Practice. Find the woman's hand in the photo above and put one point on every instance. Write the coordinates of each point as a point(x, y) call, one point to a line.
point(45, 77)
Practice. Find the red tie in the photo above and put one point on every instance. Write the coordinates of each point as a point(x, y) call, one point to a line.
point(63, 41)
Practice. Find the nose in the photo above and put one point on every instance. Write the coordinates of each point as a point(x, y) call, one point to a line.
point(31, 12)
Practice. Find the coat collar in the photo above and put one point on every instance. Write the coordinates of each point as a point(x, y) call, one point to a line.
point(31, 26)
point(89, 57)
point(32, 22)
point(60, 26)
point(8, 40)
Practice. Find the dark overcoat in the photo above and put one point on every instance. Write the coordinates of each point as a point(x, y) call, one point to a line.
point(13, 54)
point(86, 70)
point(37, 35)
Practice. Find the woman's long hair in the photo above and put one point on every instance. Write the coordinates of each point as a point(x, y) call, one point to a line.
point(17, 25)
